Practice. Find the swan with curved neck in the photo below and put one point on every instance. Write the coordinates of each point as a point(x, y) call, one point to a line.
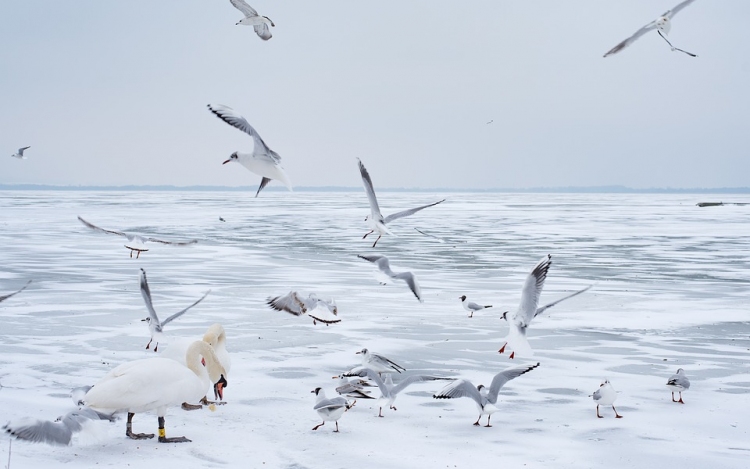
point(155, 384)
point(216, 337)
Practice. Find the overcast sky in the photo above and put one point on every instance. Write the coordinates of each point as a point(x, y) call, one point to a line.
point(115, 93)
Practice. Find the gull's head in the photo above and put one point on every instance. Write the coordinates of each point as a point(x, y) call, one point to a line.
point(367, 218)
point(663, 24)
point(316, 391)
point(147, 320)
point(233, 157)
point(363, 352)
point(462, 297)
point(604, 383)
point(680, 371)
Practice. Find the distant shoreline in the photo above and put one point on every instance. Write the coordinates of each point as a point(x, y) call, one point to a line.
point(566, 190)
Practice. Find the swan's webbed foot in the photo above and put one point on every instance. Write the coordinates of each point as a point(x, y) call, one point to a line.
point(186, 406)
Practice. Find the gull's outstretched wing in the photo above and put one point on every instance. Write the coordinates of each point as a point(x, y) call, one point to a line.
point(532, 289)
point(5, 297)
point(101, 230)
point(670, 13)
point(291, 303)
point(174, 243)
point(460, 388)
point(411, 280)
point(178, 314)
point(21, 150)
point(631, 39)
point(409, 380)
point(503, 377)
point(146, 294)
point(246, 9)
point(333, 403)
point(54, 433)
point(411, 211)
point(370, 191)
point(547, 306)
point(263, 31)
point(234, 119)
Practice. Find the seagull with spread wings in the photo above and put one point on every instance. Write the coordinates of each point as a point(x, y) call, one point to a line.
point(299, 304)
point(384, 266)
point(20, 154)
point(252, 18)
point(136, 243)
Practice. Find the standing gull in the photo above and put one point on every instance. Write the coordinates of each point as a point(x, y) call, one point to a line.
point(485, 399)
point(678, 382)
point(330, 410)
point(262, 161)
point(605, 395)
point(299, 304)
point(5, 297)
point(375, 219)
point(20, 154)
point(136, 243)
point(385, 268)
point(661, 24)
point(252, 18)
point(378, 363)
point(471, 306)
point(529, 308)
point(155, 326)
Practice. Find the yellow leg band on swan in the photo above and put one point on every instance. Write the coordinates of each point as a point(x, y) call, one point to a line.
point(162, 433)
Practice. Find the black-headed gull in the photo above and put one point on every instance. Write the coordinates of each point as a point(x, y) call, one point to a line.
point(298, 304)
point(155, 326)
point(385, 268)
point(662, 24)
point(19, 154)
point(355, 388)
point(252, 18)
point(529, 308)
point(678, 382)
point(471, 306)
point(330, 410)
point(262, 161)
point(5, 297)
point(605, 395)
point(485, 399)
point(378, 363)
point(136, 243)
point(375, 219)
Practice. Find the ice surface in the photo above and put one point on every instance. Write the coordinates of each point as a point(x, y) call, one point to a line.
point(672, 290)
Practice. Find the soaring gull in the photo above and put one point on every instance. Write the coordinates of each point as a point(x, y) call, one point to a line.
point(136, 243)
point(252, 18)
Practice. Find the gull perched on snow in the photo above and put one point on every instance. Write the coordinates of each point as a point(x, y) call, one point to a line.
point(385, 268)
point(661, 24)
point(59, 432)
point(155, 326)
point(678, 382)
point(136, 243)
point(484, 398)
point(529, 308)
point(375, 219)
point(389, 391)
point(5, 297)
point(20, 154)
point(471, 306)
point(378, 363)
point(262, 161)
point(330, 410)
point(252, 18)
point(605, 395)
point(299, 304)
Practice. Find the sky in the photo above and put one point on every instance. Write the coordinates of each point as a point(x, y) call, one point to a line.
point(115, 93)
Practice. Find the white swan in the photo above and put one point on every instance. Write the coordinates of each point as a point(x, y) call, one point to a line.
point(216, 337)
point(155, 384)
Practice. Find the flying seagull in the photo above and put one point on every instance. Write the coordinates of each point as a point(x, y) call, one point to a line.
point(299, 304)
point(155, 326)
point(385, 268)
point(252, 18)
point(136, 243)
point(662, 24)
point(20, 154)
point(5, 297)
point(262, 161)
point(375, 219)
point(678, 382)
point(378, 363)
point(60, 432)
point(484, 398)
point(529, 308)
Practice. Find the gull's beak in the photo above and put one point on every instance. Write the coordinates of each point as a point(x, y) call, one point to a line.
point(357, 353)
point(312, 392)
point(334, 377)
point(227, 161)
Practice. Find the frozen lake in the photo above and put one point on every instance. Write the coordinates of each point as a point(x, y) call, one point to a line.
point(671, 290)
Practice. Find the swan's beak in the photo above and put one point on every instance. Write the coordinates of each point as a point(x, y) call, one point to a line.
point(219, 388)
point(203, 361)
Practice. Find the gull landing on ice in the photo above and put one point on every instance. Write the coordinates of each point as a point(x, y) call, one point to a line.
point(252, 18)
point(299, 304)
point(136, 243)
point(662, 25)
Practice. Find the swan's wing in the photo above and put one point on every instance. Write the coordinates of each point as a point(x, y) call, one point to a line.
point(289, 303)
point(411, 211)
point(460, 388)
point(409, 380)
point(370, 191)
point(503, 377)
point(263, 31)
point(631, 39)
point(146, 293)
point(547, 306)
point(670, 13)
point(5, 297)
point(102, 230)
point(246, 9)
point(532, 289)
point(231, 117)
point(178, 314)
point(174, 243)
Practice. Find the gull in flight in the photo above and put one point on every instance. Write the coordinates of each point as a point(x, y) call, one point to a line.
point(385, 268)
point(389, 391)
point(299, 304)
point(662, 25)
point(136, 243)
point(678, 382)
point(354, 388)
point(262, 161)
point(252, 18)
point(605, 395)
point(484, 398)
point(20, 154)
point(529, 308)
point(5, 297)
point(471, 306)
point(375, 219)
point(330, 410)
point(378, 363)
point(60, 432)
point(155, 326)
